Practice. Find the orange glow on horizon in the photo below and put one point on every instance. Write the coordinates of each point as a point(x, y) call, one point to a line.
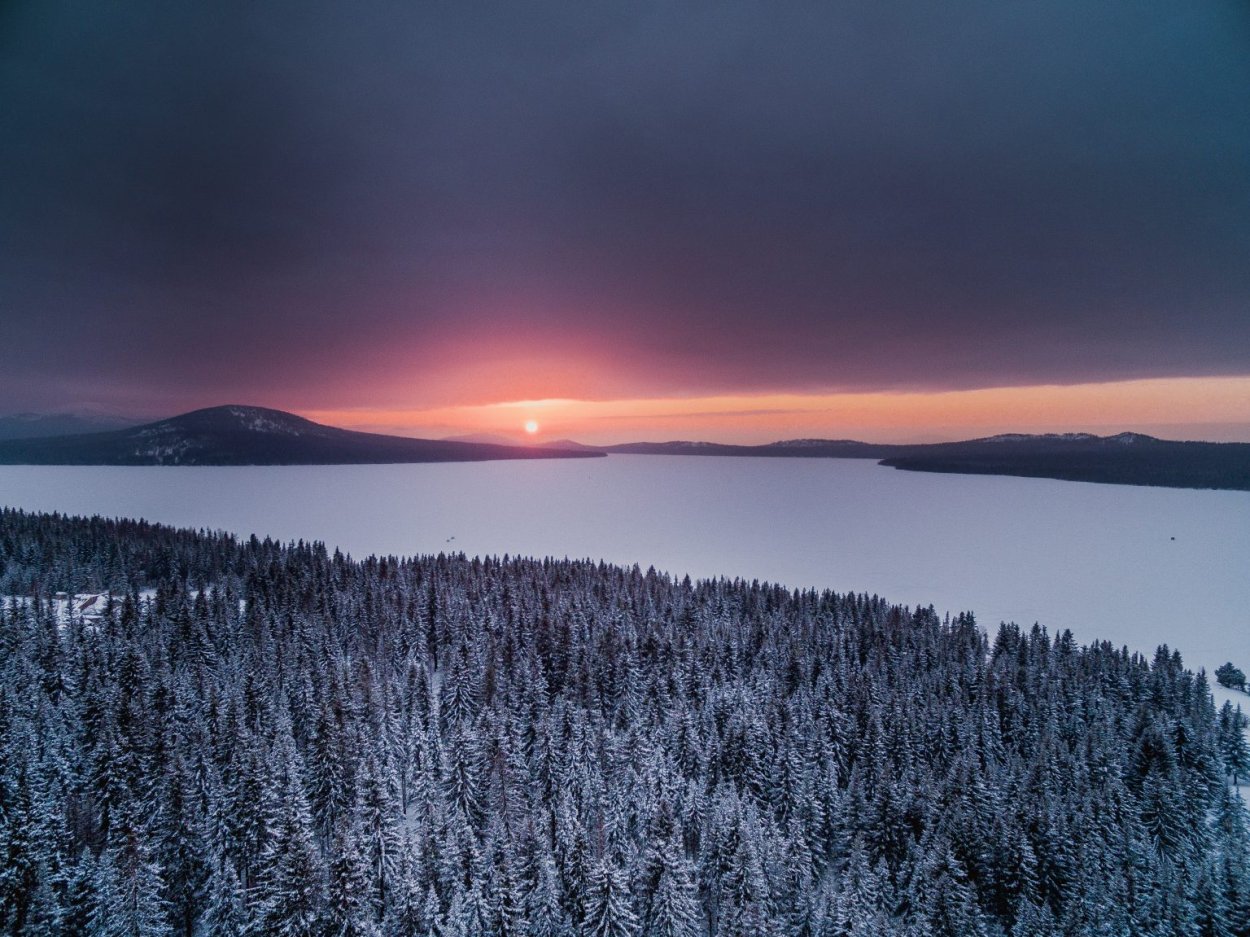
point(1217, 408)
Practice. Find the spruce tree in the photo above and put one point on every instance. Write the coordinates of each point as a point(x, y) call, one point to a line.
point(608, 911)
point(289, 897)
point(675, 910)
point(128, 899)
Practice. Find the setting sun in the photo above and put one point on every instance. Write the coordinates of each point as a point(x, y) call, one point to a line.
point(531, 426)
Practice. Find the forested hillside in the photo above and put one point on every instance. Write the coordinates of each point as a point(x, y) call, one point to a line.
point(282, 740)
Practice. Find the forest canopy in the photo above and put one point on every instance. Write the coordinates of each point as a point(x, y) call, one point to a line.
point(249, 737)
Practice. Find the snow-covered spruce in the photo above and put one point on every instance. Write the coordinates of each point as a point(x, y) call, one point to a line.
point(285, 741)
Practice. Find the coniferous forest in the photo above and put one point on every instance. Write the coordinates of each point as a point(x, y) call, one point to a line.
point(248, 737)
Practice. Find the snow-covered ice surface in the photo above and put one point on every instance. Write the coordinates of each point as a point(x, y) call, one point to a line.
point(1099, 559)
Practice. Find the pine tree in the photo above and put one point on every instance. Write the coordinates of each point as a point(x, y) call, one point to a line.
point(290, 895)
point(946, 897)
point(1234, 750)
point(675, 910)
point(331, 794)
point(608, 911)
point(225, 912)
point(128, 896)
point(414, 906)
point(18, 862)
point(178, 847)
point(466, 916)
point(377, 810)
point(544, 910)
point(348, 910)
point(1035, 921)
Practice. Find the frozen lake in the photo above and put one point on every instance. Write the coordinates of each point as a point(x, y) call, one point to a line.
point(1099, 559)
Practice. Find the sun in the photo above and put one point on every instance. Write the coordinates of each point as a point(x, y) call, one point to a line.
point(531, 426)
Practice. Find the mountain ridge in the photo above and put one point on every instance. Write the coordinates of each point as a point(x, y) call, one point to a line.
point(238, 434)
point(1124, 458)
point(66, 423)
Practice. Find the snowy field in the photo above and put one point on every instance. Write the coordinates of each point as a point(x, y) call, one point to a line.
point(1136, 566)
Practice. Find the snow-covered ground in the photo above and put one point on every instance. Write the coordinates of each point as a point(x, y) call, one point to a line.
point(89, 607)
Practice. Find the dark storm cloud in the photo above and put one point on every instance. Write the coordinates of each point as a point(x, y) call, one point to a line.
point(202, 201)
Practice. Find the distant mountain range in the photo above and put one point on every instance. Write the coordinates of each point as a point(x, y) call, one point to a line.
point(498, 439)
point(241, 435)
point(33, 425)
point(791, 448)
point(1123, 459)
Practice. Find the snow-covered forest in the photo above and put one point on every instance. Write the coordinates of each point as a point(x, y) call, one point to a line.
point(282, 740)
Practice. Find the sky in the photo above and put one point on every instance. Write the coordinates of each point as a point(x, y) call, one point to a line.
point(730, 220)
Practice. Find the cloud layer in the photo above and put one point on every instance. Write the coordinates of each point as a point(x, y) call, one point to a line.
point(321, 205)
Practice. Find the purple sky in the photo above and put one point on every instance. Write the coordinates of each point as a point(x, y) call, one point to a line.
point(317, 205)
